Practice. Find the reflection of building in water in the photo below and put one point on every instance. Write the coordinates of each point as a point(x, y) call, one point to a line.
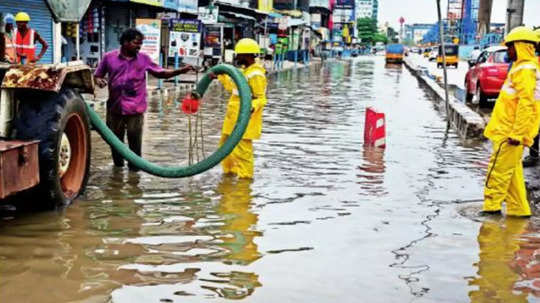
point(371, 172)
point(499, 243)
point(237, 235)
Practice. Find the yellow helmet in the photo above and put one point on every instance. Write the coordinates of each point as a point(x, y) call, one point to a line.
point(522, 33)
point(22, 17)
point(247, 46)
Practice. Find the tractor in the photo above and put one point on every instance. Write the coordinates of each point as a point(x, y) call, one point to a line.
point(44, 131)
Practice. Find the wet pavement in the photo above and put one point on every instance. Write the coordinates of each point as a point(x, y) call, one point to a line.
point(325, 219)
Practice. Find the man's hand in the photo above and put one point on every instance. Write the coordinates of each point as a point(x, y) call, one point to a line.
point(513, 142)
point(212, 76)
point(188, 68)
point(100, 82)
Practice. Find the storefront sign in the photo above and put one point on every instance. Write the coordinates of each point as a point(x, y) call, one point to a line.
point(208, 16)
point(188, 6)
point(151, 29)
point(172, 4)
point(158, 3)
point(319, 3)
point(316, 19)
point(185, 38)
point(185, 25)
point(347, 4)
point(212, 37)
point(265, 5)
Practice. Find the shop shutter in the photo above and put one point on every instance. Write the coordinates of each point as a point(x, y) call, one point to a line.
point(40, 20)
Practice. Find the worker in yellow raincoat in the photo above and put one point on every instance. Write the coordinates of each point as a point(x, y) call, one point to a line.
point(240, 161)
point(513, 125)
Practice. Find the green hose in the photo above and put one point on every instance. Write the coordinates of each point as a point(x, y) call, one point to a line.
point(210, 161)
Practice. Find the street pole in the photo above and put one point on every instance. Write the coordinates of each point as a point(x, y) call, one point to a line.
point(514, 14)
point(443, 53)
point(484, 17)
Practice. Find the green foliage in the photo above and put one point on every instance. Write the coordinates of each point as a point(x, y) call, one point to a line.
point(367, 28)
point(378, 37)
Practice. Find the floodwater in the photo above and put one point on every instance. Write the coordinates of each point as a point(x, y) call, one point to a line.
point(324, 220)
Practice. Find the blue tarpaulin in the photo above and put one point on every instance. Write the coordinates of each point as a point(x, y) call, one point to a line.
point(394, 49)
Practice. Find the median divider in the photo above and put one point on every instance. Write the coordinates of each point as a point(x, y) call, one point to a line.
point(468, 123)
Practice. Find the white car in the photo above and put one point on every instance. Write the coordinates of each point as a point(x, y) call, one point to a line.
point(433, 55)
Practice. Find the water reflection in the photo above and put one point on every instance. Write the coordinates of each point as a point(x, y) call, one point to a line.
point(235, 209)
point(371, 172)
point(499, 243)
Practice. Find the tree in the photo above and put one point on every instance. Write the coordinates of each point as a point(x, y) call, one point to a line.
point(378, 37)
point(367, 28)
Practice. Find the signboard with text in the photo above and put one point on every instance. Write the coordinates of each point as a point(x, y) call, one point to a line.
point(158, 3)
point(151, 29)
point(188, 6)
point(208, 16)
point(185, 38)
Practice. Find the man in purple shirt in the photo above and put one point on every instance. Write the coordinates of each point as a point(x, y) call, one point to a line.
point(126, 69)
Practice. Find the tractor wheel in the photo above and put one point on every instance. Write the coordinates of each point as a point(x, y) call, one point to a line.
point(61, 123)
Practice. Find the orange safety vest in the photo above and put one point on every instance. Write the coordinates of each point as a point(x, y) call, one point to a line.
point(10, 49)
point(25, 46)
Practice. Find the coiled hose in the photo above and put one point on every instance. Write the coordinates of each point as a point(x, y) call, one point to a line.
point(207, 163)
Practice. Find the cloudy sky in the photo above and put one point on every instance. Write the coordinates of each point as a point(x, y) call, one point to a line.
point(425, 11)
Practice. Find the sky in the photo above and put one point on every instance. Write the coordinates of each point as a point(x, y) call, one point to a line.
point(425, 11)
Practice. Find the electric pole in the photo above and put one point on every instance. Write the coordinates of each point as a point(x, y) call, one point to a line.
point(514, 14)
point(484, 17)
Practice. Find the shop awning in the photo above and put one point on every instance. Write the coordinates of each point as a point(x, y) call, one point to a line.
point(237, 15)
point(295, 22)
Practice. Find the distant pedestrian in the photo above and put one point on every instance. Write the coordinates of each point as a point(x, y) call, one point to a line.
point(513, 125)
point(10, 55)
point(126, 69)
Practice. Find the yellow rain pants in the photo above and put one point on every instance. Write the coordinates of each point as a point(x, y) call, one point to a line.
point(516, 115)
point(506, 183)
point(240, 161)
point(496, 279)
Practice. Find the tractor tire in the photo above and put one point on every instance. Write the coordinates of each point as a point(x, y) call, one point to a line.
point(61, 123)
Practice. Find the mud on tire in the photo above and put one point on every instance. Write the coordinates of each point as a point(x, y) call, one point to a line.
point(47, 117)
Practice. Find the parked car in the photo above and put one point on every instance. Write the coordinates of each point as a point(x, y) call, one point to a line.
point(433, 55)
point(486, 75)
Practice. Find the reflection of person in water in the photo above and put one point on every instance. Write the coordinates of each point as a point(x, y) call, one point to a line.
point(235, 208)
point(499, 242)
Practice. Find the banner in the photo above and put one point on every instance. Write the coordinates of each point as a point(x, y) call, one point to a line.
point(265, 5)
point(346, 4)
point(212, 37)
point(172, 4)
point(188, 6)
point(185, 38)
point(151, 29)
point(319, 3)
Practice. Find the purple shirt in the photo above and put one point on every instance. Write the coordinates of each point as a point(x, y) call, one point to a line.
point(127, 81)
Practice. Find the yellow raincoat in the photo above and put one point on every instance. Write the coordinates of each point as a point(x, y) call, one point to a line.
point(240, 161)
point(517, 116)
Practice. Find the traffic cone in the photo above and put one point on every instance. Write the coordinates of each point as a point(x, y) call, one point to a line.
point(375, 128)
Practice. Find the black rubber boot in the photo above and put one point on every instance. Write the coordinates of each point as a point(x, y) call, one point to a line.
point(530, 161)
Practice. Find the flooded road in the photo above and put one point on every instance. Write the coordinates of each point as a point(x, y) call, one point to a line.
point(324, 220)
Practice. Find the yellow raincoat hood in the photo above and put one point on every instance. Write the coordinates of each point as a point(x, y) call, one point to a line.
point(516, 113)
